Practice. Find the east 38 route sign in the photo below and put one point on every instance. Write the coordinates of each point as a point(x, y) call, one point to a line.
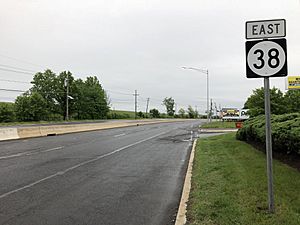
point(266, 58)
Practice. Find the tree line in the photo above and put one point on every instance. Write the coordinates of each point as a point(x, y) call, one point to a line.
point(47, 99)
point(281, 103)
point(169, 103)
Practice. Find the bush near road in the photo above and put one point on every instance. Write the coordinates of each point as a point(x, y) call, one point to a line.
point(229, 186)
point(285, 132)
point(7, 112)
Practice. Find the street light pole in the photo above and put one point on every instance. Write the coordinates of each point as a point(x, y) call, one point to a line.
point(67, 97)
point(207, 88)
point(207, 98)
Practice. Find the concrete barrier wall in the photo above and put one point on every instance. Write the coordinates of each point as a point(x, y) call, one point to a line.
point(8, 134)
point(39, 131)
point(27, 132)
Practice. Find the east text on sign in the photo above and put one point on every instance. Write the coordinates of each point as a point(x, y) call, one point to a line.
point(265, 29)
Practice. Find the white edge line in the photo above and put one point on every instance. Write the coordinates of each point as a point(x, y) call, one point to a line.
point(181, 214)
point(76, 166)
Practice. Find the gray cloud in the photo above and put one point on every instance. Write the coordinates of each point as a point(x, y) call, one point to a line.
point(142, 45)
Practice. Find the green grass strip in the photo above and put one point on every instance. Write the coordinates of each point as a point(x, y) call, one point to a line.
point(219, 124)
point(229, 186)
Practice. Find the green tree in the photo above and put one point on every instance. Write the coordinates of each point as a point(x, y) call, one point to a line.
point(292, 100)
point(181, 113)
point(45, 83)
point(169, 104)
point(31, 107)
point(7, 112)
point(191, 112)
point(86, 99)
point(256, 106)
point(91, 101)
point(140, 114)
point(154, 113)
point(54, 90)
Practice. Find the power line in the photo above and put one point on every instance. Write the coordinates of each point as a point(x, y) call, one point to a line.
point(14, 90)
point(120, 100)
point(11, 90)
point(124, 103)
point(17, 68)
point(117, 92)
point(20, 60)
point(42, 92)
point(16, 71)
point(15, 81)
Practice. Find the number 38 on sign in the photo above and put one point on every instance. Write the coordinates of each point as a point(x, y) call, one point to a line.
point(266, 58)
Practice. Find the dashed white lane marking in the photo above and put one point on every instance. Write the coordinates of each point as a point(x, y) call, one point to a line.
point(62, 172)
point(47, 150)
point(27, 153)
point(120, 135)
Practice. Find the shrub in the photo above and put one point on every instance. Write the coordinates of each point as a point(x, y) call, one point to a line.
point(31, 107)
point(7, 112)
point(285, 132)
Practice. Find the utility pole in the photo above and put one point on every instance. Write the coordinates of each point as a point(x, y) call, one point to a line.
point(67, 97)
point(148, 99)
point(135, 104)
point(216, 109)
point(220, 112)
point(207, 96)
point(210, 111)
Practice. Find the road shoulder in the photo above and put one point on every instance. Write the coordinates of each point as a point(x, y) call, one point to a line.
point(181, 214)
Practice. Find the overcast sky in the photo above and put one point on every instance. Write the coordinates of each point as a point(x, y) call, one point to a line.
point(142, 45)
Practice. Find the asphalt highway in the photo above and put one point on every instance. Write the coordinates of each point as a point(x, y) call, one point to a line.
point(128, 176)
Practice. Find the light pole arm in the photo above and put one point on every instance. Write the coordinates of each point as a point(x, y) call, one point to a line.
point(207, 87)
point(197, 69)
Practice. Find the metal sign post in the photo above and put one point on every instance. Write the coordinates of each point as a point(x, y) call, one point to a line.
point(269, 144)
point(264, 59)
